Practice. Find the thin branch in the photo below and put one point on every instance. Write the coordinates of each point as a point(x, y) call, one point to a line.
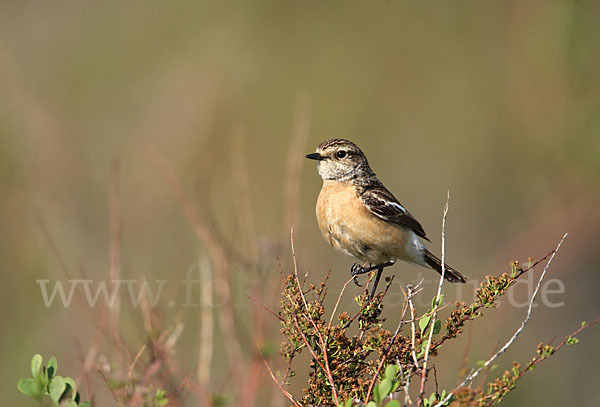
point(115, 240)
point(92, 352)
point(477, 305)
point(537, 360)
point(316, 358)
point(218, 255)
point(326, 360)
point(284, 391)
point(383, 358)
point(325, 368)
point(296, 268)
point(437, 385)
point(269, 310)
point(110, 386)
point(135, 360)
point(436, 305)
point(465, 359)
point(411, 293)
point(407, 400)
point(338, 301)
point(206, 322)
point(522, 271)
point(475, 373)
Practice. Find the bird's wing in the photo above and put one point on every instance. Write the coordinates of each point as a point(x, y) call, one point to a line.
point(380, 202)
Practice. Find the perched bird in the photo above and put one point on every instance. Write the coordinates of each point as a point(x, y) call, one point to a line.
point(358, 216)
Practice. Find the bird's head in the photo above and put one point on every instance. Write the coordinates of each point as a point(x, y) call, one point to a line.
point(340, 160)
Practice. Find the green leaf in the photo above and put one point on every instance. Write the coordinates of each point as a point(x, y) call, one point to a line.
point(395, 386)
point(73, 385)
point(583, 323)
point(437, 327)
point(161, 398)
point(571, 340)
point(85, 404)
point(424, 321)
point(376, 396)
point(391, 371)
point(422, 349)
point(52, 367)
point(372, 404)
point(385, 387)
point(56, 388)
point(29, 387)
point(393, 403)
point(36, 365)
point(71, 403)
point(433, 300)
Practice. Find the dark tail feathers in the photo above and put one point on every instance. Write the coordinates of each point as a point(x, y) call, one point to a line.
point(450, 274)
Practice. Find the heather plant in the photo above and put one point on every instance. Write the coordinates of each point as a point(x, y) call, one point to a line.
point(378, 367)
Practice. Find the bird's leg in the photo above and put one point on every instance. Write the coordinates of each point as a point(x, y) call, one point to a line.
point(357, 269)
point(377, 277)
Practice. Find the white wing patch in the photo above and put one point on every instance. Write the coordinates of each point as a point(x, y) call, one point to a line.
point(396, 205)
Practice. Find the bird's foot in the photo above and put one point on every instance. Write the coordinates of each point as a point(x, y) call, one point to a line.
point(356, 270)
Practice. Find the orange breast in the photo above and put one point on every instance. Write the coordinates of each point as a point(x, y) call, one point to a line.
point(349, 226)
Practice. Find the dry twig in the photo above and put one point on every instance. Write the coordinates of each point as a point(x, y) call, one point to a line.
point(436, 305)
point(474, 373)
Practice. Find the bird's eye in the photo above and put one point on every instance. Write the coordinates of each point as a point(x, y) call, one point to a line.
point(341, 154)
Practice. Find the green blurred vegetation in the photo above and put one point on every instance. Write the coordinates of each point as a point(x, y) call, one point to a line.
point(497, 102)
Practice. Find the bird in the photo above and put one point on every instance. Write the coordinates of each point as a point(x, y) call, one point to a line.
point(360, 217)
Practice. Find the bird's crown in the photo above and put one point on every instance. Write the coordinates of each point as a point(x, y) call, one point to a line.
point(336, 143)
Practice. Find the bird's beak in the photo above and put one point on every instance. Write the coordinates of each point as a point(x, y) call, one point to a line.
point(315, 156)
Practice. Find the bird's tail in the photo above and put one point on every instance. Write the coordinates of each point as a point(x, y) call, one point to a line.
point(450, 274)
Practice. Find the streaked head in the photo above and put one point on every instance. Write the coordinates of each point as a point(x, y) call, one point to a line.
point(340, 160)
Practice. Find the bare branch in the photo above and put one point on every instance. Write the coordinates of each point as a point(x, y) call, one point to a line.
point(316, 358)
point(114, 272)
point(284, 391)
point(407, 400)
point(475, 373)
point(436, 305)
point(338, 301)
point(383, 358)
point(538, 359)
point(411, 292)
point(206, 322)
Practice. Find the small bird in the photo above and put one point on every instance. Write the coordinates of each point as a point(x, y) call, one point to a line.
point(358, 216)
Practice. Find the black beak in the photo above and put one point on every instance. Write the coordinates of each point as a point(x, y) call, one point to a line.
point(315, 156)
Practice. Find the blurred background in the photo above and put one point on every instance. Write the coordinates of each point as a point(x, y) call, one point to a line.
point(142, 139)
